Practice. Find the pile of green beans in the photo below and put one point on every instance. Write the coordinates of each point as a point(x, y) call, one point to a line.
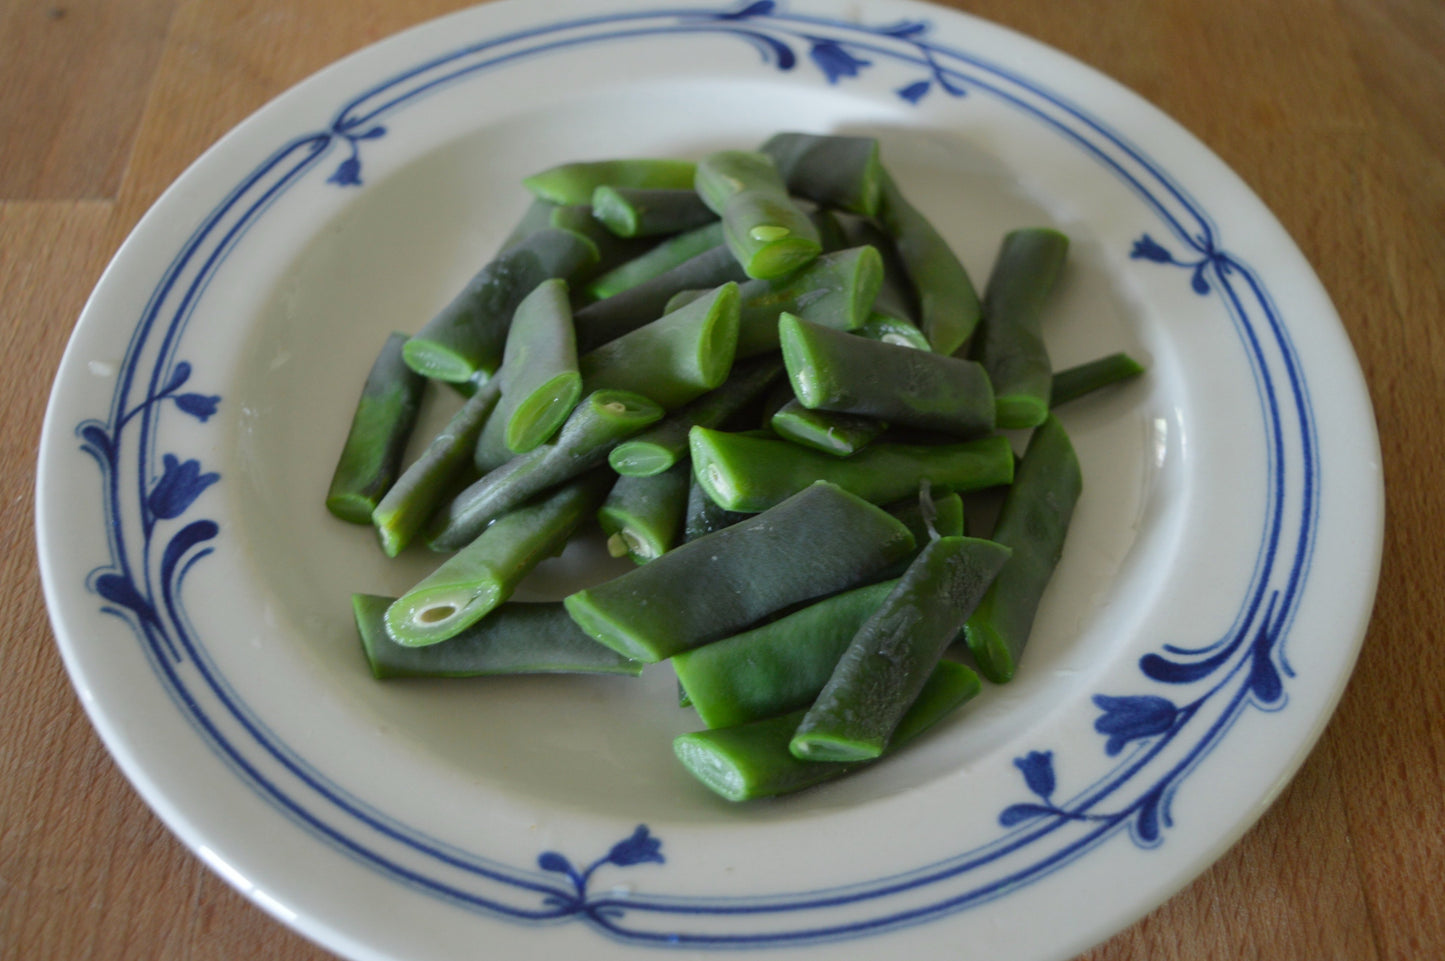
point(765, 378)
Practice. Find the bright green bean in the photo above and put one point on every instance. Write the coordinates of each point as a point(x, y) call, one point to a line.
point(574, 183)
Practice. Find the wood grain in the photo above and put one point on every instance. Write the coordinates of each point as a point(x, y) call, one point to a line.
point(1329, 109)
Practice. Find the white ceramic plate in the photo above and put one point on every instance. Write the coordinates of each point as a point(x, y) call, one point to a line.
point(1206, 614)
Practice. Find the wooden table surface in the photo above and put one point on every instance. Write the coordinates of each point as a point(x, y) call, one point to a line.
point(1333, 111)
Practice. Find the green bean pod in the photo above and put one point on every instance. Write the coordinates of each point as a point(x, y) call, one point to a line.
point(767, 232)
point(888, 661)
point(704, 515)
point(574, 183)
point(606, 320)
point(643, 516)
point(896, 297)
point(753, 760)
point(835, 171)
point(612, 251)
point(893, 330)
point(836, 290)
point(541, 383)
point(662, 445)
point(516, 638)
point(1010, 342)
point(1075, 382)
point(948, 306)
point(839, 434)
point(832, 370)
point(600, 420)
point(744, 473)
point(676, 358)
point(637, 212)
point(474, 580)
point(779, 666)
point(371, 456)
point(469, 334)
point(659, 259)
point(818, 542)
point(1032, 523)
point(425, 484)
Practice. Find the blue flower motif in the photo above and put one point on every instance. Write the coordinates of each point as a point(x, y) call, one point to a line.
point(1038, 771)
point(835, 61)
point(637, 849)
point(348, 173)
point(761, 8)
point(914, 91)
point(199, 406)
point(1128, 719)
point(179, 486)
point(1146, 248)
point(118, 589)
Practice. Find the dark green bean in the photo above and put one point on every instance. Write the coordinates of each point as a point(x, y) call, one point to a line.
point(816, 543)
point(606, 320)
point(776, 667)
point(832, 370)
point(880, 675)
point(830, 432)
point(424, 485)
point(380, 428)
point(703, 514)
point(600, 421)
point(642, 516)
point(469, 334)
point(1032, 523)
point(516, 638)
point(834, 171)
point(753, 473)
point(635, 212)
point(573, 183)
point(752, 760)
point(473, 581)
point(1086, 378)
point(893, 330)
point(1010, 342)
point(662, 257)
point(663, 444)
point(948, 306)
point(836, 290)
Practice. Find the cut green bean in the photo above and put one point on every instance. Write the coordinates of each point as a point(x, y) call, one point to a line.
point(1032, 523)
point(882, 672)
point(704, 515)
point(1010, 342)
point(537, 216)
point(893, 330)
point(816, 543)
point(606, 320)
point(470, 333)
point(600, 420)
point(948, 307)
point(836, 290)
point(744, 473)
point(676, 358)
point(896, 297)
point(662, 445)
point(574, 183)
point(835, 171)
point(485, 572)
point(516, 638)
point(612, 250)
point(636, 212)
point(423, 487)
point(767, 232)
point(661, 258)
point(376, 442)
point(776, 667)
point(1075, 382)
point(541, 383)
point(643, 516)
point(832, 433)
point(832, 370)
point(753, 761)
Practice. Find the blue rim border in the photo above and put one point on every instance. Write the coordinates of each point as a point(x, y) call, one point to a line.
point(153, 545)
